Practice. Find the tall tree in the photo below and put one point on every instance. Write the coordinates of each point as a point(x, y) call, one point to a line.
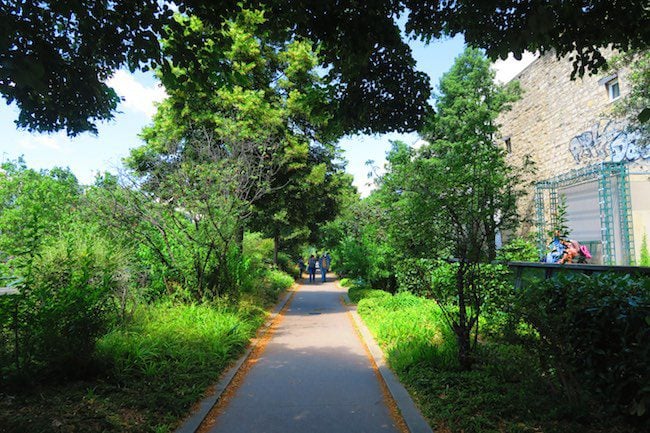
point(243, 90)
point(56, 56)
point(458, 189)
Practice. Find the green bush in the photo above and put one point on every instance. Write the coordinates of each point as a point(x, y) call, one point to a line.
point(67, 304)
point(518, 250)
point(287, 265)
point(345, 282)
point(436, 279)
point(354, 258)
point(414, 275)
point(277, 281)
point(595, 336)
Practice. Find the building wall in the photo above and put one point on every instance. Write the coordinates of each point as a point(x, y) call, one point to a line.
point(562, 125)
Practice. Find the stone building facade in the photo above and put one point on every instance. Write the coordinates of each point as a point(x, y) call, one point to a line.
point(583, 152)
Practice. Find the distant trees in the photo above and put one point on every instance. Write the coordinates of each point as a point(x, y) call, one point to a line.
point(242, 141)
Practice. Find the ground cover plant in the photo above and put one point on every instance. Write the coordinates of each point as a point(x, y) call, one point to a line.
point(510, 387)
point(147, 373)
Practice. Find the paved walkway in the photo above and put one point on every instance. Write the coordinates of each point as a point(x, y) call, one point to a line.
point(313, 376)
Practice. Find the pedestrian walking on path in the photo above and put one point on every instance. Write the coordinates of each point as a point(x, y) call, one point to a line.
point(301, 266)
point(313, 376)
point(311, 268)
point(324, 267)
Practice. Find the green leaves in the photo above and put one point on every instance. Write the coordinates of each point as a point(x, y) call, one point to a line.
point(594, 333)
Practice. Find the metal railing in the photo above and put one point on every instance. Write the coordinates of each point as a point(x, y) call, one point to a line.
point(546, 271)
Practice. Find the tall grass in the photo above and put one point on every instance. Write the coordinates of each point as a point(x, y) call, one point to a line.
point(410, 329)
point(163, 337)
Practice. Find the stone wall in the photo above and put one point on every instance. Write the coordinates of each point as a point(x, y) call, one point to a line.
point(562, 124)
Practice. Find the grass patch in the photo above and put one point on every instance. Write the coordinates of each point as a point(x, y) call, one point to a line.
point(346, 282)
point(149, 373)
point(506, 391)
point(410, 329)
point(356, 294)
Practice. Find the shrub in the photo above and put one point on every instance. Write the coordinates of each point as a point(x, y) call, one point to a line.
point(354, 258)
point(277, 281)
point(436, 279)
point(518, 250)
point(345, 282)
point(414, 275)
point(66, 305)
point(287, 265)
point(595, 335)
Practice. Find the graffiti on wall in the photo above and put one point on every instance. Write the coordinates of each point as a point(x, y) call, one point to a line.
point(613, 139)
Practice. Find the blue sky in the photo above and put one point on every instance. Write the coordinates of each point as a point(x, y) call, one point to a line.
point(89, 154)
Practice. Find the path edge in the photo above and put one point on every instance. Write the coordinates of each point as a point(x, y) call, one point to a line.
point(192, 423)
point(412, 416)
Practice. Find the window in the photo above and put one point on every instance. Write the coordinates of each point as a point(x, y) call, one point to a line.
point(508, 144)
point(613, 90)
point(612, 86)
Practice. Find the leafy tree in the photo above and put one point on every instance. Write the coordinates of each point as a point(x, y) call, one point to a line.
point(635, 106)
point(191, 221)
point(67, 272)
point(361, 244)
point(56, 56)
point(277, 97)
point(370, 68)
point(577, 28)
point(34, 207)
point(462, 185)
point(247, 147)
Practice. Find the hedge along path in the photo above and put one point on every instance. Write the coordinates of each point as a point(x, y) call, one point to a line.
point(311, 373)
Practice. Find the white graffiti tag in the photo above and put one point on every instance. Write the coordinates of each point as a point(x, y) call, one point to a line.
point(621, 144)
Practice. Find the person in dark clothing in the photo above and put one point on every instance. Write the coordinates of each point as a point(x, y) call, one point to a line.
point(311, 268)
point(301, 266)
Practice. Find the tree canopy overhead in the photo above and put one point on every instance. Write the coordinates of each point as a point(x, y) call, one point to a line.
point(55, 56)
point(567, 26)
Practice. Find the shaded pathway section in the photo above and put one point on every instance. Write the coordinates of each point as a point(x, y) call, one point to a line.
point(314, 376)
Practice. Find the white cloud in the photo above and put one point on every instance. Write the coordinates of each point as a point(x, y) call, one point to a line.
point(136, 96)
point(36, 142)
point(507, 69)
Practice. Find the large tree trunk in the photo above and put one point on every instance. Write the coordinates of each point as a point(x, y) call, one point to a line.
point(462, 329)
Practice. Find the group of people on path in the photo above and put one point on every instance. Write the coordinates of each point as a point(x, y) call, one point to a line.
point(315, 262)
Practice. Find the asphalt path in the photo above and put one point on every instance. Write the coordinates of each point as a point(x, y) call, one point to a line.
point(314, 375)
